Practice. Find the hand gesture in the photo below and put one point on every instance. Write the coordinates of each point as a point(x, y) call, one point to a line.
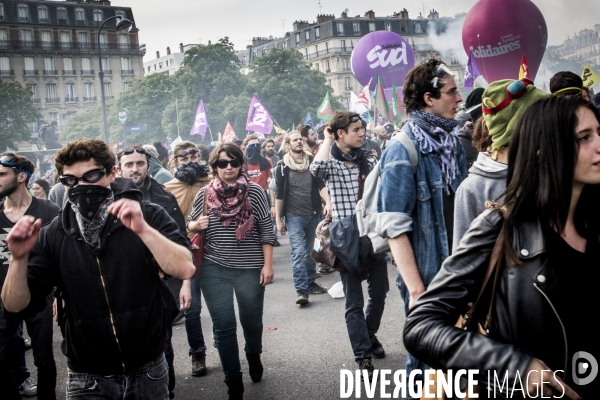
point(266, 275)
point(201, 223)
point(281, 228)
point(329, 135)
point(129, 212)
point(23, 236)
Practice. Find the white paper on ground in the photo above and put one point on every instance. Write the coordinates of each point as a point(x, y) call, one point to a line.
point(337, 290)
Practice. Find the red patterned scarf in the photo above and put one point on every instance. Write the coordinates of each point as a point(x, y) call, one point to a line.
point(229, 202)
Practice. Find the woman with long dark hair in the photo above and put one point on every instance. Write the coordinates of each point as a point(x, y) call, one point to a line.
point(238, 258)
point(545, 303)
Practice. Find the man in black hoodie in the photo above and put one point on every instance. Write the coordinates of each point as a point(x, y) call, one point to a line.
point(104, 253)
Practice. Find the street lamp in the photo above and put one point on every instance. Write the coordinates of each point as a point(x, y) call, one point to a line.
point(122, 25)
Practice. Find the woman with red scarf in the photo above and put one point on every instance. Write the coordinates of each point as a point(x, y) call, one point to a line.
point(238, 254)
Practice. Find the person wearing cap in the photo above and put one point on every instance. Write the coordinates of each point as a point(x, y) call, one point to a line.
point(471, 113)
point(415, 206)
point(487, 179)
point(15, 172)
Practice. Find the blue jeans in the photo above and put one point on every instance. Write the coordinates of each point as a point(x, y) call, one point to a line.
point(411, 362)
point(218, 284)
point(301, 229)
point(148, 382)
point(361, 324)
point(193, 326)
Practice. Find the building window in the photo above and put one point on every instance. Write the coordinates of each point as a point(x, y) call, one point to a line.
point(326, 47)
point(27, 38)
point(51, 93)
point(88, 92)
point(68, 66)
point(29, 66)
point(307, 36)
point(340, 28)
point(347, 83)
point(106, 65)
point(107, 91)
point(402, 27)
point(317, 51)
point(297, 39)
point(23, 13)
point(264, 51)
point(103, 41)
point(317, 66)
point(86, 66)
point(345, 64)
point(418, 28)
point(5, 66)
point(126, 85)
point(343, 45)
point(327, 66)
point(98, 17)
point(33, 89)
point(65, 40)
point(126, 68)
point(43, 15)
point(149, 68)
point(371, 26)
point(46, 39)
point(123, 42)
point(120, 14)
point(2, 17)
point(356, 28)
point(83, 40)
point(388, 26)
point(70, 92)
point(79, 16)
point(3, 35)
point(317, 33)
point(61, 16)
point(49, 67)
point(160, 65)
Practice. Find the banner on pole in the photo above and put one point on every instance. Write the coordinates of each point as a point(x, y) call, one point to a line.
point(325, 112)
point(228, 135)
point(471, 72)
point(200, 122)
point(590, 78)
point(259, 120)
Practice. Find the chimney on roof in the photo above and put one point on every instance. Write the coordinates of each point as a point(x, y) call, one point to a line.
point(168, 51)
point(370, 14)
point(181, 47)
point(433, 14)
point(157, 54)
point(344, 15)
point(324, 18)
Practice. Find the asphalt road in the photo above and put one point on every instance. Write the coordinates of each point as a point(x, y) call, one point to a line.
point(304, 348)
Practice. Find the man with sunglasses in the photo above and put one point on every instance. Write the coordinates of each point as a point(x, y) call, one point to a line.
point(344, 165)
point(15, 172)
point(104, 253)
point(416, 206)
point(133, 162)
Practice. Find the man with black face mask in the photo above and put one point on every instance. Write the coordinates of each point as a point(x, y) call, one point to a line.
point(257, 167)
point(104, 253)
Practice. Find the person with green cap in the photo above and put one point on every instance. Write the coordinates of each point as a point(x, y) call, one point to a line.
point(503, 104)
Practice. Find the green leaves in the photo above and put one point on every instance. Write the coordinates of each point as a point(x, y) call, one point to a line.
point(16, 112)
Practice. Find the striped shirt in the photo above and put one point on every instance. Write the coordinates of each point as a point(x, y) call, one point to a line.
point(220, 244)
point(341, 182)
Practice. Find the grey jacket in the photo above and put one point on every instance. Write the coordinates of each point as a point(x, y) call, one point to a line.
point(486, 181)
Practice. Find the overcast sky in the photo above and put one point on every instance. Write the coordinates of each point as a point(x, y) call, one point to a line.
point(168, 23)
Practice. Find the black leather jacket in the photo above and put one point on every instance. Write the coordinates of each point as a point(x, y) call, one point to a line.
point(525, 323)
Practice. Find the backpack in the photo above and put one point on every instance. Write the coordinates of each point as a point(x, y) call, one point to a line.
point(366, 208)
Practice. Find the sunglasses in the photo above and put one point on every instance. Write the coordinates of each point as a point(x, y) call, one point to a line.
point(92, 176)
point(223, 163)
point(186, 152)
point(9, 161)
point(130, 150)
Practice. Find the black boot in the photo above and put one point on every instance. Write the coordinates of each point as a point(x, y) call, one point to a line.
point(236, 388)
point(255, 366)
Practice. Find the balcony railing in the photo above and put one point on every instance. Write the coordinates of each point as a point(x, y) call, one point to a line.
point(88, 99)
point(348, 88)
point(97, 23)
point(87, 72)
point(126, 72)
point(66, 46)
point(30, 72)
point(71, 99)
point(107, 71)
point(23, 19)
point(62, 21)
point(70, 72)
point(36, 101)
point(109, 97)
point(43, 20)
point(50, 72)
point(329, 52)
point(80, 22)
point(52, 100)
point(7, 72)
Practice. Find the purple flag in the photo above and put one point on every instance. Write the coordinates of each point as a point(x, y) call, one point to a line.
point(471, 72)
point(259, 120)
point(200, 122)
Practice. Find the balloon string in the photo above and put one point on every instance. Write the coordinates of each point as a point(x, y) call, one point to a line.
point(482, 58)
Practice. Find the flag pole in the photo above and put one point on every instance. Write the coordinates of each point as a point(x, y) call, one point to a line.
point(210, 132)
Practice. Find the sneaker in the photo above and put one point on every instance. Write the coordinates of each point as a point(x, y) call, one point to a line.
point(324, 269)
point(366, 364)
point(377, 348)
point(315, 288)
point(199, 364)
point(302, 297)
point(28, 388)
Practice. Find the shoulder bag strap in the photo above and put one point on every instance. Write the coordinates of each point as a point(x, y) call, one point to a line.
point(204, 205)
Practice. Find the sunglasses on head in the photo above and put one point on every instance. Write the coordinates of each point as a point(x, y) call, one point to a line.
point(353, 119)
point(130, 150)
point(92, 176)
point(223, 163)
point(186, 152)
point(9, 161)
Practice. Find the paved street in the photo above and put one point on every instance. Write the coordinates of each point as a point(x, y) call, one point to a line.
point(303, 348)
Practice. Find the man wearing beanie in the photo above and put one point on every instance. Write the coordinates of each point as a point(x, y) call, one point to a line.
point(487, 179)
point(415, 206)
point(473, 111)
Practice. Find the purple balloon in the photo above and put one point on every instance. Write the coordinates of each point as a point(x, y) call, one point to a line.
point(382, 53)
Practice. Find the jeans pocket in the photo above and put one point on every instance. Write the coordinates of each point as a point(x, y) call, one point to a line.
point(79, 384)
point(158, 372)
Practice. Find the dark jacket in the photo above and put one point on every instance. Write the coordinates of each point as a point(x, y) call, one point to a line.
point(282, 174)
point(465, 136)
point(118, 311)
point(524, 321)
point(155, 192)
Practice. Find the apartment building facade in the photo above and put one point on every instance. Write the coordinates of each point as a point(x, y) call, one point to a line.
point(583, 47)
point(51, 47)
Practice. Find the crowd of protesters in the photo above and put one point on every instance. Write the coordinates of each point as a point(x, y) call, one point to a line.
point(105, 249)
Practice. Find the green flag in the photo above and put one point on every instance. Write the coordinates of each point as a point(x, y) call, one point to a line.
point(396, 104)
point(325, 112)
point(383, 106)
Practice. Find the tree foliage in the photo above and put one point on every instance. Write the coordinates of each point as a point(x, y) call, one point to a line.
point(16, 112)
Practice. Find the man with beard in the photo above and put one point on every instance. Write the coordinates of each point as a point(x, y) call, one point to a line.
point(299, 202)
point(309, 138)
point(104, 253)
point(268, 148)
point(15, 172)
point(133, 162)
point(419, 223)
point(383, 135)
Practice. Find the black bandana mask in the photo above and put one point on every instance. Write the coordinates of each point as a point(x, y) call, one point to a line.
point(191, 171)
point(253, 152)
point(90, 204)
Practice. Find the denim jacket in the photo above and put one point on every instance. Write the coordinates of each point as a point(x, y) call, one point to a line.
point(413, 203)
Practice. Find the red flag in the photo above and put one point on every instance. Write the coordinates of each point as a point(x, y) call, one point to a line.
point(524, 69)
point(229, 134)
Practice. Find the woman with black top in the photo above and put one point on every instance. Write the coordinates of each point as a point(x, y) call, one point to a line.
point(238, 253)
point(545, 304)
